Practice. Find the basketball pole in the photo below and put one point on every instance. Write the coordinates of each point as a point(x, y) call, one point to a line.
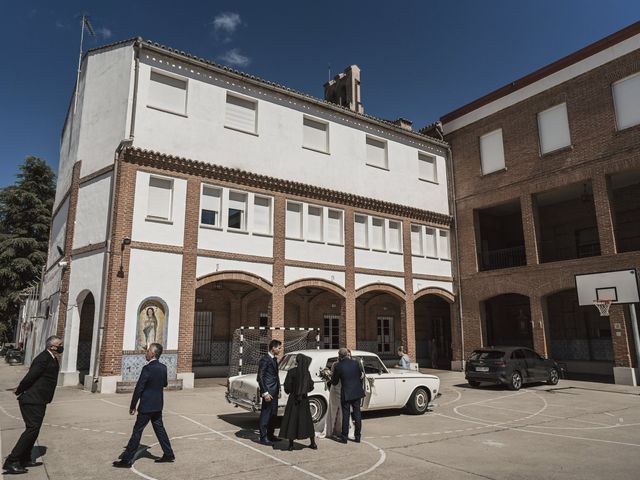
point(636, 336)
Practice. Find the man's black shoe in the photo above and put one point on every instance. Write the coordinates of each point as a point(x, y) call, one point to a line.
point(274, 439)
point(14, 469)
point(357, 440)
point(342, 439)
point(264, 441)
point(122, 464)
point(165, 459)
point(31, 464)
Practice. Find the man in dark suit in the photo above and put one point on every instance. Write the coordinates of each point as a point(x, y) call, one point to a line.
point(349, 374)
point(153, 379)
point(34, 392)
point(269, 383)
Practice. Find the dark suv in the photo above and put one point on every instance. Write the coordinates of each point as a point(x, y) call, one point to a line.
point(511, 366)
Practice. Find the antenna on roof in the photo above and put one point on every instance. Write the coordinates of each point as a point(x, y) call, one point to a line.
point(85, 23)
point(329, 67)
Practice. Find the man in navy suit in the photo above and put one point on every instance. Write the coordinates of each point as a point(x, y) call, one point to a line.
point(34, 393)
point(153, 379)
point(350, 375)
point(269, 383)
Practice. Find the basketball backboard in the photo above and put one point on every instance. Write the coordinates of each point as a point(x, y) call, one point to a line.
point(619, 286)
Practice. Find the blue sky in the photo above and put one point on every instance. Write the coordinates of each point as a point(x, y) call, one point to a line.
point(419, 59)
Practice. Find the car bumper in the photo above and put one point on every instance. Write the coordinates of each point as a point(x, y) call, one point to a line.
point(492, 377)
point(241, 402)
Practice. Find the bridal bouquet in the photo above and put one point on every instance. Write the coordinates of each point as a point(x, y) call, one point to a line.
point(325, 374)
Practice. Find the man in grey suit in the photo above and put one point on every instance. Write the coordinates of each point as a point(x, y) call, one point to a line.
point(34, 393)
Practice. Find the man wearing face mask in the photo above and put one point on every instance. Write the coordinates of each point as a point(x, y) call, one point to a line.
point(34, 392)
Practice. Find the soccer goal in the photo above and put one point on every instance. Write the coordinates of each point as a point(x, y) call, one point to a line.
point(251, 343)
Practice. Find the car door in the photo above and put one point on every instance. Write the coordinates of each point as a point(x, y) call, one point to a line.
point(382, 384)
point(519, 363)
point(535, 364)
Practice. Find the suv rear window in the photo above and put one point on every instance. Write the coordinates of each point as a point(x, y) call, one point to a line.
point(486, 355)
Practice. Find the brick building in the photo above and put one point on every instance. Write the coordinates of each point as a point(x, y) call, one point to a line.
point(193, 199)
point(547, 185)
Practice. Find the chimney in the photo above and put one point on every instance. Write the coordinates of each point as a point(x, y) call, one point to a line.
point(403, 123)
point(344, 89)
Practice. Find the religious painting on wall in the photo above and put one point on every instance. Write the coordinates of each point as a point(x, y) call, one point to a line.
point(151, 324)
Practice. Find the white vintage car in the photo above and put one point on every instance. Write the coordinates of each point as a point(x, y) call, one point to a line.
point(387, 388)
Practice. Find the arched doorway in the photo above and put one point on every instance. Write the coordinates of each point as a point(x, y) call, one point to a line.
point(314, 305)
point(85, 336)
point(579, 337)
point(223, 306)
point(507, 320)
point(433, 331)
point(379, 313)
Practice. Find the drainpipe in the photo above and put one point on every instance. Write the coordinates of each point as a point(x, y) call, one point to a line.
point(458, 279)
point(112, 194)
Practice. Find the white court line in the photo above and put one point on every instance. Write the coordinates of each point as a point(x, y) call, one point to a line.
point(605, 425)
point(458, 397)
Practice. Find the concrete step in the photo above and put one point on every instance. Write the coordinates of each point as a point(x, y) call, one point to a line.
point(128, 387)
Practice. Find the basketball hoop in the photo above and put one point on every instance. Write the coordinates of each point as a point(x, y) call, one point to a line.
point(603, 306)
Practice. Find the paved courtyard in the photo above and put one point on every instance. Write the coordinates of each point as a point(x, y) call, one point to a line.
point(577, 430)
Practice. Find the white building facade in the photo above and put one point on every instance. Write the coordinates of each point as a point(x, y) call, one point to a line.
point(193, 199)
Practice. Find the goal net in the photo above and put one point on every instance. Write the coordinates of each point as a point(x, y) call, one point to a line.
point(251, 343)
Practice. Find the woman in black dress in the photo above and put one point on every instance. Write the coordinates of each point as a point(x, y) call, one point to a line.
point(297, 422)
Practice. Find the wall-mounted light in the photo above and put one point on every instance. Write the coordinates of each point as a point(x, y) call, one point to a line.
point(125, 241)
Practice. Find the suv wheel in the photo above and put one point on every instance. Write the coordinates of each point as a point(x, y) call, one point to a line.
point(515, 381)
point(473, 383)
point(553, 377)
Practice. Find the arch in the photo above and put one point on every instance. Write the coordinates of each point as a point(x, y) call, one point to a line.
point(162, 322)
point(510, 291)
point(80, 298)
point(382, 287)
point(237, 276)
point(318, 283)
point(437, 291)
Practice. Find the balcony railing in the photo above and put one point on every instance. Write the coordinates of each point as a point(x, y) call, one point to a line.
point(503, 258)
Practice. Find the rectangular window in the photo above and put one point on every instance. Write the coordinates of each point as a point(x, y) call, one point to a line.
point(314, 223)
point(262, 214)
point(159, 202)
point(553, 127)
point(427, 168)
point(492, 152)
point(377, 234)
point(334, 227)
point(395, 236)
point(167, 93)
point(626, 100)
point(241, 113)
point(237, 211)
point(416, 240)
point(315, 135)
point(376, 152)
point(443, 244)
point(360, 231)
point(331, 331)
point(210, 206)
point(385, 334)
point(294, 220)
point(430, 240)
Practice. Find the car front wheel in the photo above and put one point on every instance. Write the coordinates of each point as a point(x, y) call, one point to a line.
point(317, 408)
point(473, 383)
point(515, 382)
point(553, 377)
point(419, 401)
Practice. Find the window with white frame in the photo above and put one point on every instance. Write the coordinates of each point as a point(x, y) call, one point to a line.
point(160, 198)
point(430, 242)
point(315, 134)
point(427, 168)
point(261, 214)
point(237, 211)
point(167, 93)
point(377, 234)
point(443, 244)
point(395, 236)
point(361, 231)
point(241, 113)
point(553, 128)
point(626, 101)
point(416, 240)
point(210, 206)
point(314, 223)
point(376, 152)
point(294, 220)
point(492, 152)
point(334, 226)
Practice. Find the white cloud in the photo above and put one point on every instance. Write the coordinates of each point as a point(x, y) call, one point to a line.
point(104, 32)
point(234, 57)
point(226, 22)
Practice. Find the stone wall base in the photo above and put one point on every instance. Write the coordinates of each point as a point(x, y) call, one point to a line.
point(108, 384)
point(625, 376)
point(68, 379)
point(187, 379)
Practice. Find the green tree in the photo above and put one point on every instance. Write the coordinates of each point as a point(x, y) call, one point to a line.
point(25, 217)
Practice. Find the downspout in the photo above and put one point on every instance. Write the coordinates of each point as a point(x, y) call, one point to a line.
point(112, 195)
point(458, 279)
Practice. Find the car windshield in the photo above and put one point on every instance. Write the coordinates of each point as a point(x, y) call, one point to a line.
point(288, 362)
point(486, 355)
